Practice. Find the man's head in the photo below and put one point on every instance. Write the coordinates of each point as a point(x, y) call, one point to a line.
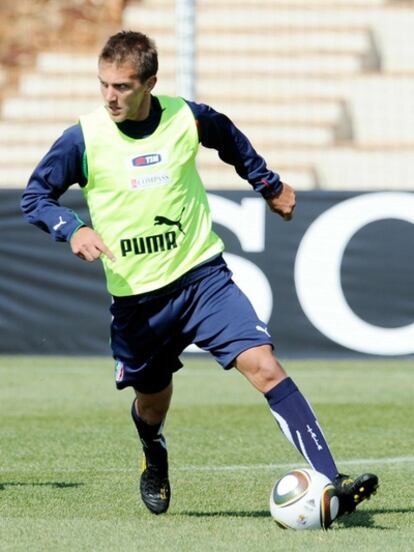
point(128, 64)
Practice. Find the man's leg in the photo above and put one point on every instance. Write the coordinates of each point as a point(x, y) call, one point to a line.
point(153, 407)
point(148, 412)
point(288, 406)
point(299, 424)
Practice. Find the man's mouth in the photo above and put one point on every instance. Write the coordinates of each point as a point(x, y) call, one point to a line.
point(114, 110)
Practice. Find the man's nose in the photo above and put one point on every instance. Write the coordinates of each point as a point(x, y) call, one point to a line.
point(110, 94)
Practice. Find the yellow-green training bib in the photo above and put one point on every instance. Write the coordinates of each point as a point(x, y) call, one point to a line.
point(146, 199)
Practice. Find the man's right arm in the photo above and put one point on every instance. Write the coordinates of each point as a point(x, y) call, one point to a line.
point(59, 169)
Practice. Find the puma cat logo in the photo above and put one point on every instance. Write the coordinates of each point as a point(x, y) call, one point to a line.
point(159, 219)
point(59, 224)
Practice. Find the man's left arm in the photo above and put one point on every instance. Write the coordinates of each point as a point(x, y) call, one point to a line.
point(218, 132)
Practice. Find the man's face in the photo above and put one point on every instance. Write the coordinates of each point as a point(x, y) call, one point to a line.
point(125, 96)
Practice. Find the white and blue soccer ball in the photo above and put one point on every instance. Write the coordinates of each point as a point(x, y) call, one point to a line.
point(304, 499)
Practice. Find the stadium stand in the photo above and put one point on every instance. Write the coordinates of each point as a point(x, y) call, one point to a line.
point(324, 88)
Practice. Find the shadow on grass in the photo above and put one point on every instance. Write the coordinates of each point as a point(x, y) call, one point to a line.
point(364, 518)
point(361, 518)
point(222, 513)
point(52, 484)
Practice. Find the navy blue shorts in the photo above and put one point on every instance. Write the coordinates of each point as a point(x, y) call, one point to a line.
point(148, 333)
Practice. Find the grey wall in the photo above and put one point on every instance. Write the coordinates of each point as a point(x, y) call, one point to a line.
point(53, 303)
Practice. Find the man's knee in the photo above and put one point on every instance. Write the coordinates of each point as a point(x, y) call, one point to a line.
point(260, 367)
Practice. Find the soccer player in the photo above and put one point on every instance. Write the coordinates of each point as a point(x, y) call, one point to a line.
point(134, 159)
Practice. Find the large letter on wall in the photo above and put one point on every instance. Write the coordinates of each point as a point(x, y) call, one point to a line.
point(318, 278)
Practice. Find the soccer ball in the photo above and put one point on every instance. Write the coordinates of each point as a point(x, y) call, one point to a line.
point(304, 499)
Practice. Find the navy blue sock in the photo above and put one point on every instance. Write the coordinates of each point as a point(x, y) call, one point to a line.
point(151, 437)
point(298, 422)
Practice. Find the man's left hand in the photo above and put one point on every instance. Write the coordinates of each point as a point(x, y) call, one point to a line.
point(284, 202)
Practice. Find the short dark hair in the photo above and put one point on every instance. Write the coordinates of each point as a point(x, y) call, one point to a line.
point(135, 48)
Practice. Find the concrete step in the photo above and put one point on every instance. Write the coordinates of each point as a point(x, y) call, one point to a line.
point(284, 41)
point(29, 156)
point(66, 63)
point(76, 85)
point(290, 135)
point(151, 18)
point(296, 4)
point(14, 176)
point(353, 168)
point(267, 88)
point(314, 112)
point(318, 17)
point(346, 168)
point(48, 84)
point(303, 63)
point(24, 133)
point(219, 178)
point(45, 109)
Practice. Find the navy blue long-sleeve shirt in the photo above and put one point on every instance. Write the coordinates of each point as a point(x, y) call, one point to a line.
point(65, 164)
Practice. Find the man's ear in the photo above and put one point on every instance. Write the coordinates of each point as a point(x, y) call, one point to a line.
point(151, 82)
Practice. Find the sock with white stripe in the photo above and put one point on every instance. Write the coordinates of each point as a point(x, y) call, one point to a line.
point(298, 423)
point(151, 437)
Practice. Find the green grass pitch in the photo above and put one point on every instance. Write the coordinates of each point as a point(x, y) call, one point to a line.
point(70, 458)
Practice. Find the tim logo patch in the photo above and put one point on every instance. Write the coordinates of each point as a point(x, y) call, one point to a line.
point(146, 160)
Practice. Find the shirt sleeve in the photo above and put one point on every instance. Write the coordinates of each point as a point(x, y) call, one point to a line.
point(60, 168)
point(218, 132)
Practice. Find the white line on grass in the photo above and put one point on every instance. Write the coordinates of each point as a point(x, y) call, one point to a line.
point(192, 468)
point(242, 467)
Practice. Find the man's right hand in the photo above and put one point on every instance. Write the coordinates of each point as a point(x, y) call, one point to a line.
point(88, 245)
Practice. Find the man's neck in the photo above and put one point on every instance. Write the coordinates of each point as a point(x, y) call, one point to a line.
point(140, 129)
point(144, 109)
